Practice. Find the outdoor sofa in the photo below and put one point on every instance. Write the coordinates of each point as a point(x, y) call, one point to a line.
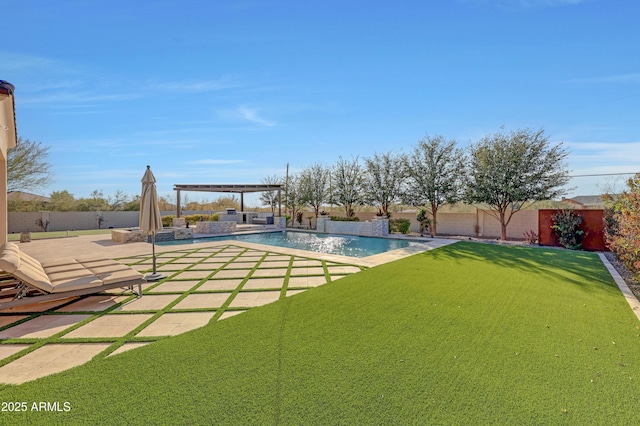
point(24, 280)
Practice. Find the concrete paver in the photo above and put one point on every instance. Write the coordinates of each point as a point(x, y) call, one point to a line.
point(42, 326)
point(97, 303)
point(263, 283)
point(11, 319)
point(38, 307)
point(306, 281)
point(277, 272)
point(193, 274)
point(307, 271)
point(128, 346)
point(224, 284)
point(203, 300)
point(171, 324)
point(210, 257)
point(148, 303)
point(229, 314)
point(254, 298)
point(231, 273)
point(8, 350)
point(110, 326)
point(180, 286)
point(49, 359)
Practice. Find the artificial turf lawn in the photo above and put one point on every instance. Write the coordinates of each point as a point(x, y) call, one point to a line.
point(465, 334)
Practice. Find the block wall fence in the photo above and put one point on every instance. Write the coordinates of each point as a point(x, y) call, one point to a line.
point(481, 223)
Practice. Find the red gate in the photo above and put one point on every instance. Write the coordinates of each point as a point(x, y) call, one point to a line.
point(592, 224)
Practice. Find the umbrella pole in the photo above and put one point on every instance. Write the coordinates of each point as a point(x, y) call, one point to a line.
point(153, 244)
point(154, 276)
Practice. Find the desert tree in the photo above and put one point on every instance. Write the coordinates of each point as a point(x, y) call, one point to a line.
point(435, 171)
point(508, 170)
point(270, 198)
point(27, 166)
point(348, 184)
point(315, 185)
point(117, 201)
point(384, 178)
point(294, 198)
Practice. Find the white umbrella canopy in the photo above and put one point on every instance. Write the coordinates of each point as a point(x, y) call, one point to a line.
point(150, 218)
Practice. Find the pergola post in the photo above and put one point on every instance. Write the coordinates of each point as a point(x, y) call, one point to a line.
point(279, 203)
point(178, 207)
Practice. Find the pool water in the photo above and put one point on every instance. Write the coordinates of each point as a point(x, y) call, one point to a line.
point(346, 245)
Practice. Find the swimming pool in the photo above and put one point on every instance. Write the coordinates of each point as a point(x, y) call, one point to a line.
point(346, 245)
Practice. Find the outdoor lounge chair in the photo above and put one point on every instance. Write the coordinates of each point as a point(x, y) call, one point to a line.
point(24, 280)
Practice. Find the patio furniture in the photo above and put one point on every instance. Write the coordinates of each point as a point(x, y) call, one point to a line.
point(24, 280)
point(262, 220)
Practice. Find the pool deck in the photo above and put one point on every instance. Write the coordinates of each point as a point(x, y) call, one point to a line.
point(205, 282)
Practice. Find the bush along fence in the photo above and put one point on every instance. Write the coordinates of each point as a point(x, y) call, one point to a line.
point(576, 227)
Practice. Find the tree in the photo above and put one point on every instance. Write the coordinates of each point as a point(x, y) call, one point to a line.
point(435, 173)
point(62, 201)
point(270, 198)
point(384, 180)
point(315, 186)
point(27, 166)
point(294, 195)
point(508, 170)
point(623, 228)
point(132, 205)
point(348, 185)
point(96, 202)
point(118, 201)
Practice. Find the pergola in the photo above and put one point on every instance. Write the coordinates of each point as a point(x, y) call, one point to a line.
point(229, 188)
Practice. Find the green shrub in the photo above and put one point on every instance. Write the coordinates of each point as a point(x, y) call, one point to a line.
point(193, 218)
point(168, 220)
point(400, 225)
point(423, 218)
point(566, 225)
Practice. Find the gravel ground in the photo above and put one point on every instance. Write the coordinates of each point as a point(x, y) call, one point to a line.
point(627, 276)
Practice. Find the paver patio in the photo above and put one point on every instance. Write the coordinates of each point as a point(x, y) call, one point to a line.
point(204, 283)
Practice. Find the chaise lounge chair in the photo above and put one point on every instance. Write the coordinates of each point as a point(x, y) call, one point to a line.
point(24, 280)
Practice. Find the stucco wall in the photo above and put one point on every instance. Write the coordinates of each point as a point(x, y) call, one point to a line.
point(448, 223)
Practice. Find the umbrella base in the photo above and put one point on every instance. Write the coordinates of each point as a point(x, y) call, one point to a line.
point(155, 277)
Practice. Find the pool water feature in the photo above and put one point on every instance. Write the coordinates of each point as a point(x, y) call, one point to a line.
point(346, 245)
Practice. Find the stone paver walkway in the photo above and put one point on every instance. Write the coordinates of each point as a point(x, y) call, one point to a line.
point(204, 283)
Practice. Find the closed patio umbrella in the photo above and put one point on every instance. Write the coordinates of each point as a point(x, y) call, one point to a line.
point(150, 219)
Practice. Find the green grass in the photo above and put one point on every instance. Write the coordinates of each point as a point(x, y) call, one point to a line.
point(59, 234)
point(466, 334)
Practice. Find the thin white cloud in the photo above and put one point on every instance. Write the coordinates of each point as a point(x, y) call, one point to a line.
point(199, 86)
point(244, 113)
point(67, 98)
point(589, 158)
point(14, 63)
point(251, 115)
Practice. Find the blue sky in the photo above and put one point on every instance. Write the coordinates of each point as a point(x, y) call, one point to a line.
point(232, 91)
